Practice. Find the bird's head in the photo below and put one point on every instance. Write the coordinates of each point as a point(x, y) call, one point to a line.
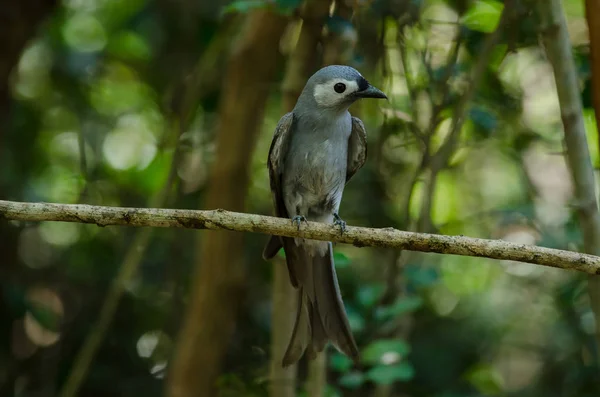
point(337, 87)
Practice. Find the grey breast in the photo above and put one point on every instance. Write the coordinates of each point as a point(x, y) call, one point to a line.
point(315, 167)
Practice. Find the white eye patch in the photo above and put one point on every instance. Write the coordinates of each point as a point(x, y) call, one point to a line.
point(326, 96)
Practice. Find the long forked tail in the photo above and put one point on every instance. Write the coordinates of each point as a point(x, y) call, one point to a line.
point(321, 315)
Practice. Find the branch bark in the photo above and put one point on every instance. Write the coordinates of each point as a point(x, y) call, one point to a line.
point(358, 236)
point(557, 44)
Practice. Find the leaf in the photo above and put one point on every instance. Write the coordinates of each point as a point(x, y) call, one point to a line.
point(484, 120)
point(375, 352)
point(340, 260)
point(84, 32)
point(401, 306)
point(243, 6)
point(340, 362)
point(356, 320)
point(388, 374)
point(485, 379)
point(498, 55)
point(352, 380)
point(483, 15)
point(129, 45)
point(369, 295)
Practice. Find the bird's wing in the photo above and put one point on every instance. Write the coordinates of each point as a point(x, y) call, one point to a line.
point(275, 162)
point(277, 152)
point(357, 148)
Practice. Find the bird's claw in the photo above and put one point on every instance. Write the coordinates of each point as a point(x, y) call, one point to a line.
point(339, 222)
point(298, 219)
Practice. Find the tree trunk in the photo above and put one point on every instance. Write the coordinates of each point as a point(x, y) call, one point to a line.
point(219, 278)
point(592, 14)
point(282, 381)
point(592, 10)
point(317, 376)
point(558, 49)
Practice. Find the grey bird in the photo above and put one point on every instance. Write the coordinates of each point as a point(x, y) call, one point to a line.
point(316, 149)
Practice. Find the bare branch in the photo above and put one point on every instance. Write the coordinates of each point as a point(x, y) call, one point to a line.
point(358, 236)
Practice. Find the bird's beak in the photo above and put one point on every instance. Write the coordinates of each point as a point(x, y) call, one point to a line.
point(371, 92)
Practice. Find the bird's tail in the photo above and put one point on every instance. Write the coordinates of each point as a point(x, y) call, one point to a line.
point(321, 315)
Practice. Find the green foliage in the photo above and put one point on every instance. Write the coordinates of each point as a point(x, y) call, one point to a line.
point(243, 6)
point(483, 15)
point(388, 374)
point(369, 295)
point(340, 362)
point(352, 380)
point(401, 307)
point(485, 379)
point(466, 275)
point(341, 260)
point(375, 352)
point(485, 121)
point(129, 46)
point(84, 33)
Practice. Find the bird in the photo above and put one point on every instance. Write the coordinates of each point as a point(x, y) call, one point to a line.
point(315, 150)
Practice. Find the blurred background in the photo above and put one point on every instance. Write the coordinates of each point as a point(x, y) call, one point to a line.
point(173, 103)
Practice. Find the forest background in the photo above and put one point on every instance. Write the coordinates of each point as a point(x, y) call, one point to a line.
point(172, 103)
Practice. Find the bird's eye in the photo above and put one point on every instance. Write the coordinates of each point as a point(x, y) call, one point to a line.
point(339, 87)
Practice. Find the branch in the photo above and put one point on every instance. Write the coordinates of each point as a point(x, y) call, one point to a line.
point(358, 236)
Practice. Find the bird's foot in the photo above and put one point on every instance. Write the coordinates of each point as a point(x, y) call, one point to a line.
point(298, 219)
point(339, 222)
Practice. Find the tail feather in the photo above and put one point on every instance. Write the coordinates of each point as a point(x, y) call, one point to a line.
point(272, 247)
point(321, 315)
point(300, 334)
point(330, 306)
point(318, 335)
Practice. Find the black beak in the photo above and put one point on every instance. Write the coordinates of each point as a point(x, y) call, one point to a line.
point(371, 92)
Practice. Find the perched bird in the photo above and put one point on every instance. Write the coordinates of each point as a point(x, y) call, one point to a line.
point(316, 149)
